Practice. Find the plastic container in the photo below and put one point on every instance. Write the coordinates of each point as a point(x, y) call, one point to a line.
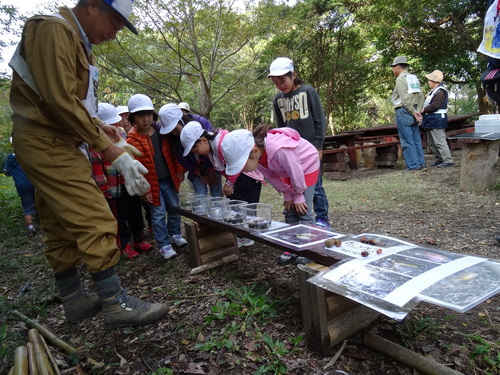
point(216, 207)
point(186, 200)
point(201, 204)
point(233, 214)
point(257, 216)
point(487, 124)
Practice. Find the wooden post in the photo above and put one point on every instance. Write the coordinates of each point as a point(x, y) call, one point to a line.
point(478, 168)
point(207, 244)
point(328, 318)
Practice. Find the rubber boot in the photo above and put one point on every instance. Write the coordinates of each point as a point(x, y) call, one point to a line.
point(121, 310)
point(77, 305)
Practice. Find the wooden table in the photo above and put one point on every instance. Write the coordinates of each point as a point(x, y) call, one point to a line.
point(316, 253)
point(328, 318)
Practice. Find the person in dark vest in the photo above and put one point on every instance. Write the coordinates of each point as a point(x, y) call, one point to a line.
point(435, 120)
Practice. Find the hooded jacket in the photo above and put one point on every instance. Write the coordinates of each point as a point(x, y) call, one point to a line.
point(290, 163)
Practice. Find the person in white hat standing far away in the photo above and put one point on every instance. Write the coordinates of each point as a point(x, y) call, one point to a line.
point(435, 119)
point(408, 100)
point(53, 97)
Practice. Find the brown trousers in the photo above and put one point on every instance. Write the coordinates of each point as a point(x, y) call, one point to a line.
point(74, 214)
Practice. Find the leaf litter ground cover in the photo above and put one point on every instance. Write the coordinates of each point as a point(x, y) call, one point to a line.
point(245, 318)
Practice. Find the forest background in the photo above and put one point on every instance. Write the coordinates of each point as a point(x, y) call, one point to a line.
point(215, 55)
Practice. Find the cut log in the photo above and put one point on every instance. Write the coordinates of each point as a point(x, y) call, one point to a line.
point(478, 168)
point(411, 359)
point(217, 263)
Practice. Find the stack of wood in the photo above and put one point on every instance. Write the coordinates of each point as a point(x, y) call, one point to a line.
point(36, 358)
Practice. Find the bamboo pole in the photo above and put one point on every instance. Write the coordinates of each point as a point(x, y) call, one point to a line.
point(42, 359)
point(49, 354)
point(420, 363)
point(21, 361)
point(31, 359)
point(52, 337)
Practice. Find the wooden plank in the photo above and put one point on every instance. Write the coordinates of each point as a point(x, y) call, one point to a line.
point(215, 241)
point(354, 148)
point(314, 313)
point(192, 240)
point(219, 253)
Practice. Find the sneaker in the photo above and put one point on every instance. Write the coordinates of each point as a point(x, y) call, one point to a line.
point(177, 240)
point(122, 310)
point(445, 165)
point(167, 252)
point(435, 163)
point(286, 258)
point(245, 242)
point(78, 306)
point(422, 167)
point(497, 238)
point(142, 246)
point(129, 253)
point(323, 223)
point(31, 231)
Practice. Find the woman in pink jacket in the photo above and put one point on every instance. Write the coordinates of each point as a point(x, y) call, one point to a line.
point(287, 161)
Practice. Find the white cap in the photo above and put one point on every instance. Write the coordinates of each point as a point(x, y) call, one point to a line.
point(236, 147)
point(190, 133)
point(169, 115)
point(108, 113)
point(140, 102)
point(124, 8)
point(184, 105)
point(122, 109)
point(280, 67)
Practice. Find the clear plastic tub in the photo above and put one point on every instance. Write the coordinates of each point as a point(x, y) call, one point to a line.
point(257, 216)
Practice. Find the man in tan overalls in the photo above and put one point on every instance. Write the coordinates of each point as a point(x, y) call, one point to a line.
point(53, 96)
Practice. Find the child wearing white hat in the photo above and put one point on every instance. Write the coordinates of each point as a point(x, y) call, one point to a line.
point(111, 184)
point(165, 173)
point(287, 161)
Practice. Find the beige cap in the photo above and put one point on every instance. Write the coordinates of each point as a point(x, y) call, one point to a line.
point(435, 76)
point(399, 60)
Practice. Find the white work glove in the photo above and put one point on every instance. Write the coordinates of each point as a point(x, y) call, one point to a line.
point(128, 147)
point(132, 171)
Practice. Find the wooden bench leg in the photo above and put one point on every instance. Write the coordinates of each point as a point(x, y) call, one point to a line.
point(329, 318)
point(208, 245)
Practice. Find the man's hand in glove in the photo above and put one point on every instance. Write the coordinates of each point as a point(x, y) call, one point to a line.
point(128, 147)
point(131, 170)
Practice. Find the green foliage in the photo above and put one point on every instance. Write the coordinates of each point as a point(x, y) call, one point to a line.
point(246, 310)
point(484, 352)
point(162, 371)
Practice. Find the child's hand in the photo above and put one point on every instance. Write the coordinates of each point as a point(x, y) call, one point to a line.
point(148, 198)
point(227, 190)
point(301, 208)
point(288, 205)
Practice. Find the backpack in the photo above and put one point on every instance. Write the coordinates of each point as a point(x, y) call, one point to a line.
point(491, 83)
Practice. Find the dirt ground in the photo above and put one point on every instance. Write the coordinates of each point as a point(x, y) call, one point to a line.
point(468, 343)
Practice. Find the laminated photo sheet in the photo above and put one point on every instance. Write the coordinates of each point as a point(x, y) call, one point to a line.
point(301, 236)
point(459, 291)
point(393, 280)
point(367, 245)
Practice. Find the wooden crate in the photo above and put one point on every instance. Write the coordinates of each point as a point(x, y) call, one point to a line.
point(328, 318)
point(207, 244)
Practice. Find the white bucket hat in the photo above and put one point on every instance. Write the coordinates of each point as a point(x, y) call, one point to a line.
point(280, 67)
point(108, 113)
point(190, 133)
point(184, 105)
point(140, 102)
point(169, 115)
point(124, 8)
point(122, 109)
point(236, 147)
